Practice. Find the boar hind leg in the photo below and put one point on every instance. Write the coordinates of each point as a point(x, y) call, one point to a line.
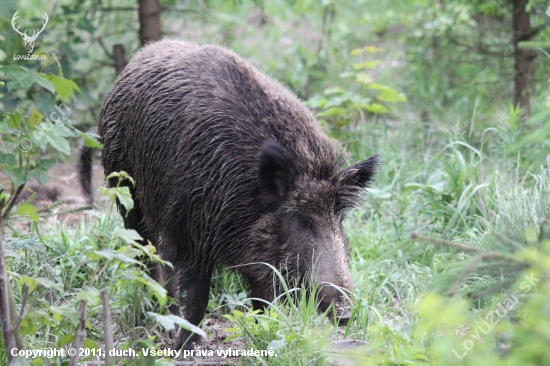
point(196, 291)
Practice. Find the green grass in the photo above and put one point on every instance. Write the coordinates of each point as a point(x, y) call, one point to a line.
point(431, 182)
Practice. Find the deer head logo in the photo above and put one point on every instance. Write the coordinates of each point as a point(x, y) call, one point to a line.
point(29, 40)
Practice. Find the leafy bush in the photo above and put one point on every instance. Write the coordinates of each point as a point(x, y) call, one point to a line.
point(339, 107)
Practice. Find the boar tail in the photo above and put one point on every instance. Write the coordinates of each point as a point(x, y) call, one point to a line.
point(85, 173)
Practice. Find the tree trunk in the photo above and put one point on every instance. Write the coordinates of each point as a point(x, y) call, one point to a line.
point(149, 20)
point(118, 55)
point(521, 26)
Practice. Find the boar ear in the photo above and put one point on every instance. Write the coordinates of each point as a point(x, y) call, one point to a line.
point(274, 174)
point(352, 180)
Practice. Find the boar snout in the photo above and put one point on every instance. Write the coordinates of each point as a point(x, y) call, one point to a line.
point(331, 296)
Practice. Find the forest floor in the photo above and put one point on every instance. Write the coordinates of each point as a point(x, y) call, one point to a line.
point(63, 184)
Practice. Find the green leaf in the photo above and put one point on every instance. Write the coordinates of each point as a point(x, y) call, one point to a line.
point(158, 290)
point(29, 323)
point(28, 209)
point(13, 120)
point(90, 295)
point(65, 339)
point(35, 117)
point(335, 90)
point(91, 344)
point(169, 323)
point(17, 175)
point(29, 281)
point(56, 135)
point(371, 49)
point(125, 197)
point(233, 336)
point(376, 86)
point(347, 74)
point(111, 254)
point(128, 235)
point(65, 88)
point(290, 338)
point(65, 312)
point(387, 94)
point(391, 96)
point(39, 174)
point(121, 193)
point(8, 159)
point(23, 78)
point(364, 103)
point(276, 345)
point(333, 111)
point(341, 100)
point(28, 244)
point(376, 108)
point(363, 78)
point(366, 65)
point(316, 101)
point(46, 164)
point(130, 251)
point(150, 251)
point(91, 140)
point(122, 175)
point(48, 284)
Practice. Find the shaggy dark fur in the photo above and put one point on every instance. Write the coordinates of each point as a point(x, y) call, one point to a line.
point(230, 168)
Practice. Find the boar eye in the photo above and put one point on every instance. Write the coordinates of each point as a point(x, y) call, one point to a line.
point(307, 223)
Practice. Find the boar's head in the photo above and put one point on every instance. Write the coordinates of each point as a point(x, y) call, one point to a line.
point(301, 228)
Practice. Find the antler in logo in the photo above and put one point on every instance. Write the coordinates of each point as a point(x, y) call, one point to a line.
point(29, 40)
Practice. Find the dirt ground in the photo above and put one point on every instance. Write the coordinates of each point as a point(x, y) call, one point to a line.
point(63, 184)
point(62, 178)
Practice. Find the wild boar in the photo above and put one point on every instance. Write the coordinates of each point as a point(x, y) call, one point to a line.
point(230, 169)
